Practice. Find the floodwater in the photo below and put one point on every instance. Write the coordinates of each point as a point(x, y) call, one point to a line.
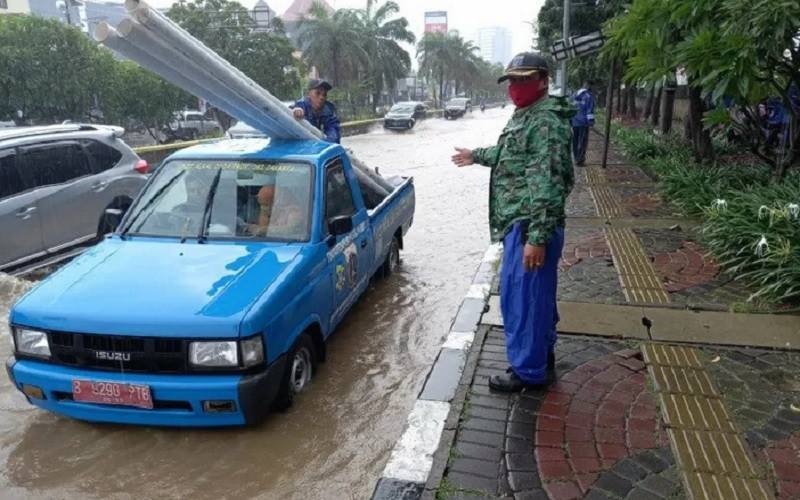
point(335, 440)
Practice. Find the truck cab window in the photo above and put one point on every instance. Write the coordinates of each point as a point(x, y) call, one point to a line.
point(338, 196)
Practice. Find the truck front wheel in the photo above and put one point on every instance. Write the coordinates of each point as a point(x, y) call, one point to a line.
point(300, 367)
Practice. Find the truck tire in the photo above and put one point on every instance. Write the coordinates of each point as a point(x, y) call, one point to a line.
point(392, 262)
point(300, 367)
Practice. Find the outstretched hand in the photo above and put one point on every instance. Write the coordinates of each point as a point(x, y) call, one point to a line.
point(463, 157)
point(298, 113)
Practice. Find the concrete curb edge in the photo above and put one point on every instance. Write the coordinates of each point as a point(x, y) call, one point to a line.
point(411, 461)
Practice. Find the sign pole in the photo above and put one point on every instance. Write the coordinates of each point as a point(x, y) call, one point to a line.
point(566, 39)
point(609, 105)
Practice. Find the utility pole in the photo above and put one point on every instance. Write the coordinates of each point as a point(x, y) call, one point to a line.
point(566, 41)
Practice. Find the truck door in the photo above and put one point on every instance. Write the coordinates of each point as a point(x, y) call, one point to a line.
point(350, 254)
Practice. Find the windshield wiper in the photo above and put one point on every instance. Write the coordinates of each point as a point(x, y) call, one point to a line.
point(156, 196)
point(206, 220)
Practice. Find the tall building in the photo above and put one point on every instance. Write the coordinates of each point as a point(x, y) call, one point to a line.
point(495, 44)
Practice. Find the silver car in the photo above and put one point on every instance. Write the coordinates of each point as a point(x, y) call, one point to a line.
point(56, 183)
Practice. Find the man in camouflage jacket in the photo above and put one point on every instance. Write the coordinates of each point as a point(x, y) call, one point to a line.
point(531, 177)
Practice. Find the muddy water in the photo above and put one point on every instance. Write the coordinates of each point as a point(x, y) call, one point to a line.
point(335, 440)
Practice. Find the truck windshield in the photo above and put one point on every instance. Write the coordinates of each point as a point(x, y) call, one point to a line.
point(225, 199)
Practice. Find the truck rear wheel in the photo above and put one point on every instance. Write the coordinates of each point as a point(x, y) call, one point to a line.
point(300, 367)
point(392, 262)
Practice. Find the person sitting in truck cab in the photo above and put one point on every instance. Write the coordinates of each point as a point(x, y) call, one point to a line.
point(320, 112)
point(284, 218)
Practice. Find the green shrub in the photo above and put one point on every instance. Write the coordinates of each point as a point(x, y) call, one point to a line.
point(750, 224)
point(693, 187)
point(756, 238)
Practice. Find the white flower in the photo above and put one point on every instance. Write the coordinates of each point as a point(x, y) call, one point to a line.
point(719, 205)
point(762, 247)
point(794, 210)
point(763, 211)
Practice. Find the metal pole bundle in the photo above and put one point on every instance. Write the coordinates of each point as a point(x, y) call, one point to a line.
point(155, 42)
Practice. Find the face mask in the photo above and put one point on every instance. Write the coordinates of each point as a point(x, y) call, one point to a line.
point(525, 93)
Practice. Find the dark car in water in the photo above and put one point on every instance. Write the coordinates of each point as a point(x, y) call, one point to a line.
point(404, 115)
point(457, 107)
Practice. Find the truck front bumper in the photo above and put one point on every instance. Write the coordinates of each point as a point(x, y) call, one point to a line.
point(178, 399)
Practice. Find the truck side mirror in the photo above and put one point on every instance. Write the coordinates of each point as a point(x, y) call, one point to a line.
point(341, 224)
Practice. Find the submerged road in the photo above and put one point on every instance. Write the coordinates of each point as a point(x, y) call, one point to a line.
point(335, 440)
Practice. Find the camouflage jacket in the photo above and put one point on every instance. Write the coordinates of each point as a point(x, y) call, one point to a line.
point(531, 170)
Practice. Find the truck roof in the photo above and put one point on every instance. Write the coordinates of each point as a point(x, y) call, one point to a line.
point(259, 148)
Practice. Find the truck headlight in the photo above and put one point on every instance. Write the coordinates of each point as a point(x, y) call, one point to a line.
point(252, 351)
point(214, 354)
point(32, 342)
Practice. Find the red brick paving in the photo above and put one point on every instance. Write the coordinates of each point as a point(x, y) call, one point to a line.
point(686, 267)
point(643, 204)
point(591, 246)
point(597, 414)
point(785, 459)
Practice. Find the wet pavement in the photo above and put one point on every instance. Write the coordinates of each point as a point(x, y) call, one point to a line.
point(336, 438)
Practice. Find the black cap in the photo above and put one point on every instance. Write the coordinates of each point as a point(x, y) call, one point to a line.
point(525, 64)
point(315, 83)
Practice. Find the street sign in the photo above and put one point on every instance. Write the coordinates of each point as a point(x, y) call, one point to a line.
point(586, 44)
point(577, 46)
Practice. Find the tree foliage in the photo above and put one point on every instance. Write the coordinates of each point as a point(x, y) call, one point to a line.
point(50, 72)
point(585, 17)
point(227, 28)
point(46, 70)
point(445, 58)
point(734, 52)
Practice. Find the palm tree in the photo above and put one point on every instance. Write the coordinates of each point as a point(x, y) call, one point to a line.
point(433, 60)
point(334, 43)
point(444, 58)
point(387, 60)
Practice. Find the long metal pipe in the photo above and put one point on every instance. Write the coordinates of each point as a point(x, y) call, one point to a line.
point(198, 78)
point(285, 126)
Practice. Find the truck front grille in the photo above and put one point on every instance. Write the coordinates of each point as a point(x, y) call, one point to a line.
point(119, 353)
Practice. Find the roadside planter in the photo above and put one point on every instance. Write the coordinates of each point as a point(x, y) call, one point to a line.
point(212, 302)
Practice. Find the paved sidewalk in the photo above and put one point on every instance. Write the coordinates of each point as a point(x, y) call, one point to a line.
point(640, 411)
point(625, 245)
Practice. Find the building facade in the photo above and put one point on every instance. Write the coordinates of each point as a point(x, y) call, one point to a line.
point(14, 7)
point(495, 44)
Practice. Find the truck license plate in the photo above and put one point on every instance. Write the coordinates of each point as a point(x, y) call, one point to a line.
point(112, 393)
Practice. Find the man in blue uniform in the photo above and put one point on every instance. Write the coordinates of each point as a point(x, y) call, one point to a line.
point(321, 113)
point(581, 122)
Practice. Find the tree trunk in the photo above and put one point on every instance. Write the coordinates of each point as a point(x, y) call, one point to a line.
point(625, 101)
point(701, 137)
point(648, 104)
point(669, 108)
point(632, 111)
point(619, 99)
point(655, 115)
point(441, 87)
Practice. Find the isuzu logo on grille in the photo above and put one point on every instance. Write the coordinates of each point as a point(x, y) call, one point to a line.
point(113, 356)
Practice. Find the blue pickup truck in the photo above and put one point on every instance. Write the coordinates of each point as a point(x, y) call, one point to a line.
point(211, 303)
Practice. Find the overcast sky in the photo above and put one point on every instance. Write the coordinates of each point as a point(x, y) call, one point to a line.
point(466, 16)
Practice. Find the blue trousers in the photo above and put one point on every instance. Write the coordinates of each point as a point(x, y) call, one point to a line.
point(580, 141)
point(528, 304)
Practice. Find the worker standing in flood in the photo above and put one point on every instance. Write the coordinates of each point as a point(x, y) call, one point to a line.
point(319, 111)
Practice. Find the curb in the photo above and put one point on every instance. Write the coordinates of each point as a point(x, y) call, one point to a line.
point(411, 460)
